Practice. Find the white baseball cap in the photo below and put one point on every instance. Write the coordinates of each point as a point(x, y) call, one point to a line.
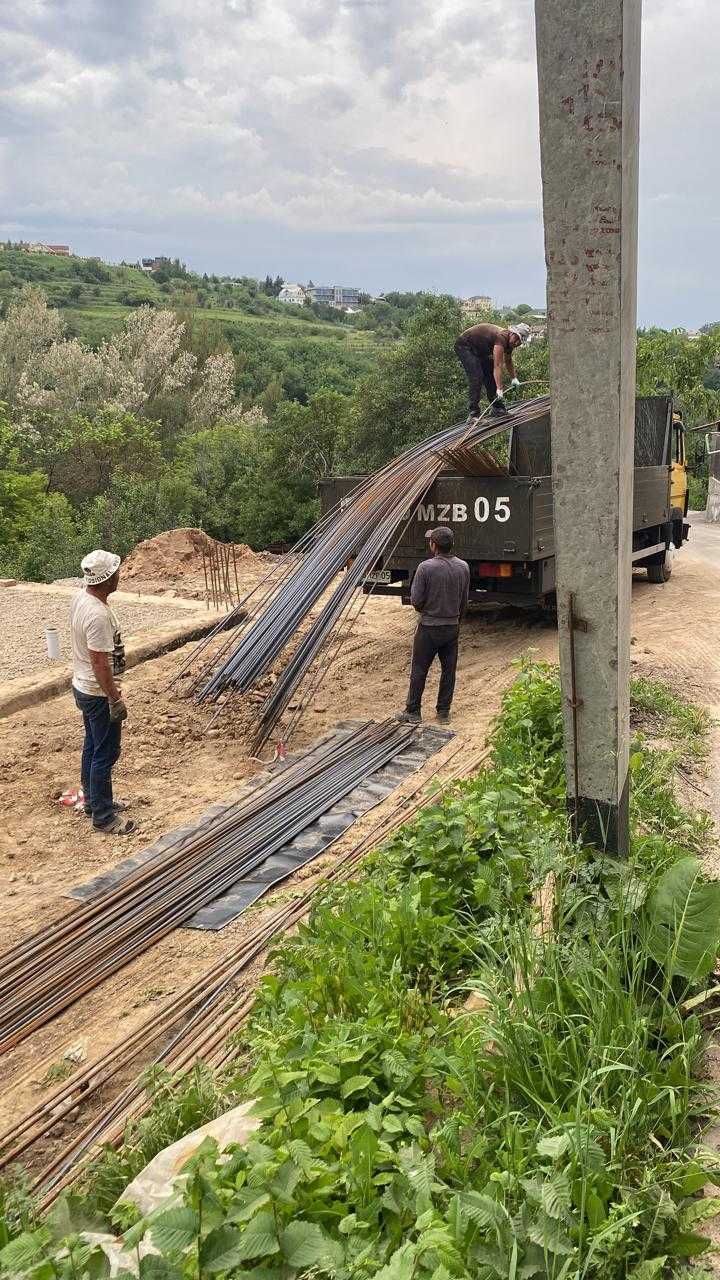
point(522, 330)
point(98, 566)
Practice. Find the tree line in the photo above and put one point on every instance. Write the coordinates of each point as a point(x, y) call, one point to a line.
point(170, 423)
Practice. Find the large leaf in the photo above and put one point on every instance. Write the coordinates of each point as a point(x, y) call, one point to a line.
point(246, 1203)
point(683, 918)
point(154, 1267)
point(552, 1194)
point(700, 1211)
point(553, 1146)
point(70, 1214)
point(219, 1250)
point(549, 1234)
point(401, 1265)
point(481, 1209)
point(22, 1252)
point(356, 1084)
point(302, 1156)
point(650, 1269)
point(259, 1238)
point(303, 1245)
point(174, 1230)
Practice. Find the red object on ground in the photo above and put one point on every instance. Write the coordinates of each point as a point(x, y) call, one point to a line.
point(73, 799)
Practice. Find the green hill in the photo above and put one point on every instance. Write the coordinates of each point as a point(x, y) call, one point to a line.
point(272, 342)
point(95, 298)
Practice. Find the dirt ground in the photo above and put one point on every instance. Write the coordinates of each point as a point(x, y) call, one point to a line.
point(25, 611)
point(172, 769)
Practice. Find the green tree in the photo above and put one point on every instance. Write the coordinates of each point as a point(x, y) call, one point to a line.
point(49, 544)
point(305, 440)
point(416, 388)
point(134, 508)
point(92, 450)
point(220, 466)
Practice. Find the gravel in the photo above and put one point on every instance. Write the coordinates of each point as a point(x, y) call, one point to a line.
point(24, 614)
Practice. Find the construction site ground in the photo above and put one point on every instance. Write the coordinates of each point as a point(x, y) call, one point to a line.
point(172, 768)
point(28, 608)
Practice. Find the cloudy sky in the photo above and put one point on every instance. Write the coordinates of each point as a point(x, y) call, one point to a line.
point(388, 143)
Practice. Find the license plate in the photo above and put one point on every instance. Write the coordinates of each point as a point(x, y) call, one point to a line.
point(380, 575)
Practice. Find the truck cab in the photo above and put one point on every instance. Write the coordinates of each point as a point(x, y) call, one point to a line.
point(679, 483)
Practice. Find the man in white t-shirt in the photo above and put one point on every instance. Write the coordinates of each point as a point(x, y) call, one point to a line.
point(98, 658)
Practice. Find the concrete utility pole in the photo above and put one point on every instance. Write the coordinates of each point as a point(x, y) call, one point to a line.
point(713, 501)
point(589, 80)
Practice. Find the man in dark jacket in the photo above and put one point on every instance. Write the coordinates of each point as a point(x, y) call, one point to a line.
point(439, 593)
point(485, 353)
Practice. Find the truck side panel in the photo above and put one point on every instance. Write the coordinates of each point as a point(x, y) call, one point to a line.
point(491, 516)
point(651, 497)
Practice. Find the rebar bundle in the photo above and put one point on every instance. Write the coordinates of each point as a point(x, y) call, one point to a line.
point(352, 537)
point(50, 970)
point(194, 1025)
point(220, 573)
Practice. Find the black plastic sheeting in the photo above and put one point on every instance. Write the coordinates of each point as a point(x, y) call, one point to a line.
point(312, 841)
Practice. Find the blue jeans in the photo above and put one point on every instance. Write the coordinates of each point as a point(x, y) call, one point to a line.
point(101, 750)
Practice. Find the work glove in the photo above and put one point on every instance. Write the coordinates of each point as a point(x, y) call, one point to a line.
point(515, 384)
point(118, 711)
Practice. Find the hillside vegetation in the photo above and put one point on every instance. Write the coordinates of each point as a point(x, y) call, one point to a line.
point(130, 404)
point(96, 298)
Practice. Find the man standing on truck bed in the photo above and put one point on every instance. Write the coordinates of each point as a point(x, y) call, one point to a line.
point(439, 593)
point(485, 352)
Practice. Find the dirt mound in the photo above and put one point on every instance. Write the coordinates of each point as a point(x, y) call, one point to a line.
point(174, 554)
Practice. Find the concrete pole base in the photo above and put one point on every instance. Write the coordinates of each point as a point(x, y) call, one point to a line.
point(603, 825)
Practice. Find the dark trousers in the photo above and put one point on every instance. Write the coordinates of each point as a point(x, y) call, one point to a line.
point(101, 750)
point(428, 643)
point(479, 373)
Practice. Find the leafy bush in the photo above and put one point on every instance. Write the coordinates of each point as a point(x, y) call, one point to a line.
point(698, 487)
point(50, 545)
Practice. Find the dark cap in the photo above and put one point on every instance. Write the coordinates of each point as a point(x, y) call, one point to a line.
point(443, 537)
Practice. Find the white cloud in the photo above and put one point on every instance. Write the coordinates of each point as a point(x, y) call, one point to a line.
point(315, 136)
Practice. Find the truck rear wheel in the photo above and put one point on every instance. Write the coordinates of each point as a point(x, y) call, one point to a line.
point(661, 572)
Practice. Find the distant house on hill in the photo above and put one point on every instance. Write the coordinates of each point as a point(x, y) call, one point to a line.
point(538, 325)
point(335, 295)
point(479, 304)
point(292, 293)
point(62, 250)
point(154, 264)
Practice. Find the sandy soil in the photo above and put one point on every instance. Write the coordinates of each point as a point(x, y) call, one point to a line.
point(25, 612)
point(172, 769)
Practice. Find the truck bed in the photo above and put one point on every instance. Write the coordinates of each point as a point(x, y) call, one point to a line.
point(503, 524)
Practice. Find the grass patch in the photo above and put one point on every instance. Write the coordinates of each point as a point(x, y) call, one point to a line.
point(57, 1072)
point(684, 723)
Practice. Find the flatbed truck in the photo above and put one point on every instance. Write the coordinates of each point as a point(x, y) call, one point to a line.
point(502, 513)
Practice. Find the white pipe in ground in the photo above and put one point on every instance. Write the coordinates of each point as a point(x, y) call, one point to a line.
point(52, 642)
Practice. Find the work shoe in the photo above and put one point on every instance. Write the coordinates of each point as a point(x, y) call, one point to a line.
point(408, 717)
point(443, 717)
point(498, 409)
point(471, 419)
point(117, 826)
